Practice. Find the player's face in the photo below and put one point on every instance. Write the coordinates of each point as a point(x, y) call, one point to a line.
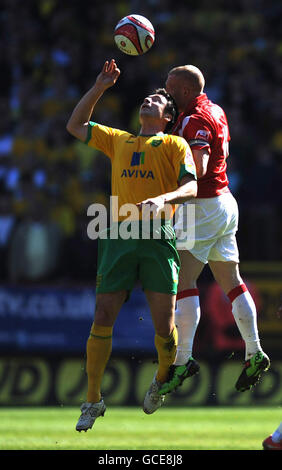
point(174, 86)
point(153, 106)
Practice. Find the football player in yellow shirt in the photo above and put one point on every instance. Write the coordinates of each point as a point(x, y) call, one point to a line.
point(152, 170)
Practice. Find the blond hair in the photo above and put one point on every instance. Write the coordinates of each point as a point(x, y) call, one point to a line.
point(192, 75)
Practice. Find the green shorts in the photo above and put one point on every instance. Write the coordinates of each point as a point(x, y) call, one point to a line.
point(153, 262)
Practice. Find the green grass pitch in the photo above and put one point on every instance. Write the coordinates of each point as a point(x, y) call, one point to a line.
point(210, 428)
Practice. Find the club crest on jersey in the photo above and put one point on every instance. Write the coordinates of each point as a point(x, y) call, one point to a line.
point(156, 142)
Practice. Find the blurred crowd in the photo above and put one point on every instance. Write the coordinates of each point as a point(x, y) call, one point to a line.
point(50, 54)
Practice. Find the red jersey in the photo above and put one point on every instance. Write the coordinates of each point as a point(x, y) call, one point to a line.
point(204, 124)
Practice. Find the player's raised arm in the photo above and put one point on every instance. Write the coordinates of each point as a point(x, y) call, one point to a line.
point(78, 122)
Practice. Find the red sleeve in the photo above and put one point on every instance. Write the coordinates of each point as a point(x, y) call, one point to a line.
point(197, 132)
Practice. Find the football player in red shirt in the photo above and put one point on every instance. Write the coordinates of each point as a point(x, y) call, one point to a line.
point(204, 125)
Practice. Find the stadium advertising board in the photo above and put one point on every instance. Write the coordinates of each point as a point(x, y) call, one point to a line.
point(62, 382)
point(43, 337)
point(54, 320)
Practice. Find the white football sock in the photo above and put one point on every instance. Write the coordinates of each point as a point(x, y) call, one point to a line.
point(245, 315)
point(187, 317)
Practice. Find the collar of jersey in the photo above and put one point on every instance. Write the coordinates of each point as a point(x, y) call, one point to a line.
point(150, 135)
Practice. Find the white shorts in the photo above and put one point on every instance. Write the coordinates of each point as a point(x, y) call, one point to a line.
point(207, 228)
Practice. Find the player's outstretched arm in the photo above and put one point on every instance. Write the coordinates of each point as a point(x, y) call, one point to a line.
point(187, 190)
point(78, 122)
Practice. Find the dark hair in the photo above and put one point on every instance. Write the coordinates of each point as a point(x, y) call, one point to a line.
point(170, 108)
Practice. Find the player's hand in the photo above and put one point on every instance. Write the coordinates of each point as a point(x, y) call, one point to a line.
point(152, 206)
point(109, 75)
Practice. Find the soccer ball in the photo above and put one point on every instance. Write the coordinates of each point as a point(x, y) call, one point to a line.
point(134, 35)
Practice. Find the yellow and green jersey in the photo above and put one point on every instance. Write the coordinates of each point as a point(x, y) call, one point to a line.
point(143, 166)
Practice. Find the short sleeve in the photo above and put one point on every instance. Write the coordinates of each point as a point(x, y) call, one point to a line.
point(197, 132)
point(183, 159)
point(101, 137)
